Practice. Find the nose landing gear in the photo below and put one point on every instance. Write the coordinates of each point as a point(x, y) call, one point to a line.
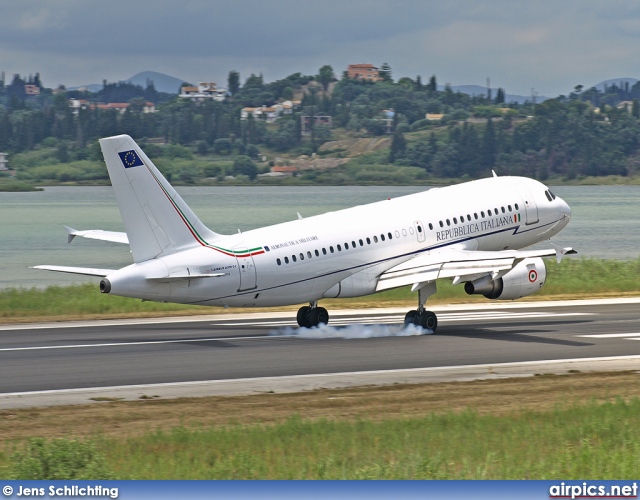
point(312, 315)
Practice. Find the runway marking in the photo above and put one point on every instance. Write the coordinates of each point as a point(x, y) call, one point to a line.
point(345, 322)
point(149, 342)
point(626, 336)
point(483, 369)
point(399, 319)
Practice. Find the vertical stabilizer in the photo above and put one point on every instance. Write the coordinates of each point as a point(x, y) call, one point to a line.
point(156, 219)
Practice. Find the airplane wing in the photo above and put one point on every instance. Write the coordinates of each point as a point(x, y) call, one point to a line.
point(461, 265)
point(89, 271)
point(97, 234)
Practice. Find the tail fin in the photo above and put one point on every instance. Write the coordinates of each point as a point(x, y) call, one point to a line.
point(156, 219)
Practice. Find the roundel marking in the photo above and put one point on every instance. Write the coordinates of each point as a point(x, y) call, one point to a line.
point(533, 276)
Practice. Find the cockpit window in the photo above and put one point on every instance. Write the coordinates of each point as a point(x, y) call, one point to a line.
point(550, 196)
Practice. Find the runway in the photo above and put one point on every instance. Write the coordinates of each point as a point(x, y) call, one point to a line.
point(61, 363)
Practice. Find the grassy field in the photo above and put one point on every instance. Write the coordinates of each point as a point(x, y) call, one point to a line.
point(580, 426)
point(573, 278)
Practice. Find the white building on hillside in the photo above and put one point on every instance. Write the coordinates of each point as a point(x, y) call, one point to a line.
point(204, 91)
point(3, 161)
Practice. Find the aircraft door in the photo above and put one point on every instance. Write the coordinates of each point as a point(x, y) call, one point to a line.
point(247, 269)
point(420, 233)
point(248, 275)
point(530, 207)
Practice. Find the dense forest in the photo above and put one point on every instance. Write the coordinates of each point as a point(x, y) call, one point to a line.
point(586, 133)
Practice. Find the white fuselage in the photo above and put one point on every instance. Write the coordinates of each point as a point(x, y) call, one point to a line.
point(342, 254)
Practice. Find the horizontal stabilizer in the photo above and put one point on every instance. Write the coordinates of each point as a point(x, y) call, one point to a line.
point(97, 234)
point(89, 271)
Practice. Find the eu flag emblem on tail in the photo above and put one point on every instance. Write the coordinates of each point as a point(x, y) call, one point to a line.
point(130, 159)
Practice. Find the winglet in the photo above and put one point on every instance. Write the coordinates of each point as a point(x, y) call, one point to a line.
point(562, 251)
point(71, 233)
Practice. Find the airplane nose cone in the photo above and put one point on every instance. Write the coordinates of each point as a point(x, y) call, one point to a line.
point(565, 209)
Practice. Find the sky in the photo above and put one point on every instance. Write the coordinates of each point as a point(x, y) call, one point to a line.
point(547, 45)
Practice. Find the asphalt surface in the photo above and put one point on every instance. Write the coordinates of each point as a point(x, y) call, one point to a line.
point(76, 356)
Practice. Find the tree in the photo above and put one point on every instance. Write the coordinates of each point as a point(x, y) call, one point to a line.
point(433, 86)
point(325, 77)
point(489, 145)
point(243, 165)
point(635, 109)
point(500, 98)
point(233, 82)
point(385, 73)
point(398, 146)
point(418, 83)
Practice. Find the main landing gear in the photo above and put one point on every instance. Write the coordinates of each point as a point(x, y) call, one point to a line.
point(312, 315)
point(420, 317)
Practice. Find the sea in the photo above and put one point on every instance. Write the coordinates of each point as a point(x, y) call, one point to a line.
point(605, 222)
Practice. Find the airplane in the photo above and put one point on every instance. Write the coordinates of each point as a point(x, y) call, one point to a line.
point(473, 233)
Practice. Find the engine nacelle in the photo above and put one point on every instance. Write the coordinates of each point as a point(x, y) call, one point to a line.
point(527, 277)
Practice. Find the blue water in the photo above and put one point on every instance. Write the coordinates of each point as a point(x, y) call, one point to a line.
point(605, 221)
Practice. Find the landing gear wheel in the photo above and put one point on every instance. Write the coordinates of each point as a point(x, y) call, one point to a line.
point(318, 315)
point(409, 318)
point(427, 320)
point(303, 317)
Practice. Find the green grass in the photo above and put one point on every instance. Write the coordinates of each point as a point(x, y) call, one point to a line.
point(585, 441)
point(573, 277)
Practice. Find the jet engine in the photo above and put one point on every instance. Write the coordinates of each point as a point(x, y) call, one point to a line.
point(526, 277)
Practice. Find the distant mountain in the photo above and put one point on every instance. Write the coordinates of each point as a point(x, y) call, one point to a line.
point(618, 81)
point(162, 82)
point(475, 90)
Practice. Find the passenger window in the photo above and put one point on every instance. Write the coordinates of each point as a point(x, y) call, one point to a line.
point(279, 261)
point(368, 241)
point(397, 234)
point(448, 222)
point(441, 224)
point(475, 216)
point(309, 254)
point(301, 256)
point(390, 236)
point(346, 245)
point(339, 248)
point(317, 253)
point(361, 243)
point(324, 251)
point(430, 226)
point(286, 260)
point(353, 244)
point(516, 205)
point(503, 210)
point(509, 207)
point(331, 249)
point(455, 221)
point(482, 213)
point(375, 239)
point(468, 218)
point(411, 231)
point(382, 237)
point(293, 258)
point(489, 212)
